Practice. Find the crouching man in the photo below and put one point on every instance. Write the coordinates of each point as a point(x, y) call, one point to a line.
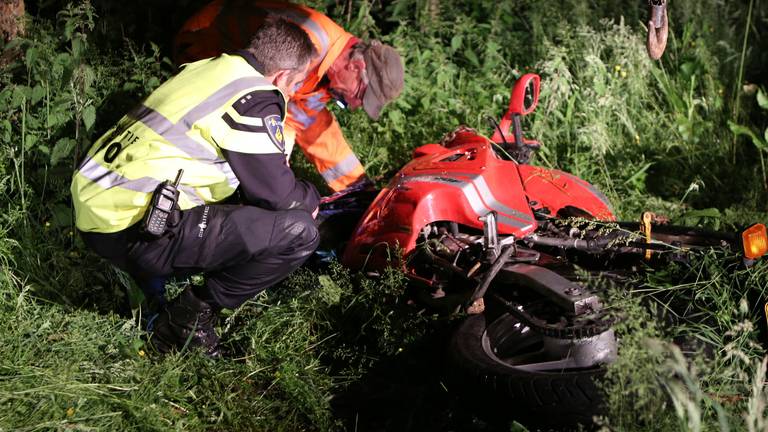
point(218, 127)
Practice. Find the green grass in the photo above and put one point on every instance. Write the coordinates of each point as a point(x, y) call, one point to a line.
point(677, 137)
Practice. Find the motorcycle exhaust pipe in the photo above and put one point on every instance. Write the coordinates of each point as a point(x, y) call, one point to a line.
point(570, 243)
point(594, 245)
point(597, 245)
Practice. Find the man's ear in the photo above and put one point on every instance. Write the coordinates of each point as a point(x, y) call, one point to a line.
point(356, 65)
point(282, 77)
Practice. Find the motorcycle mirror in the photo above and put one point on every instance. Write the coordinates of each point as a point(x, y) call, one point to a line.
point(525, 95)
point(524, 98)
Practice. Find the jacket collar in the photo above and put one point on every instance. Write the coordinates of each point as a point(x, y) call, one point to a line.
point(251, 60)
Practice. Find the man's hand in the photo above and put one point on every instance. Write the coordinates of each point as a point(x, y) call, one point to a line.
point(363, 183)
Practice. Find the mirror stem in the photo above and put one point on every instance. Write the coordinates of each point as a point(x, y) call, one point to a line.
point(518, 130)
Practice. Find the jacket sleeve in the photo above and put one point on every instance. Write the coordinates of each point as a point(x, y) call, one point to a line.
point(319, 136)
point(266, 181)
point(253, 145)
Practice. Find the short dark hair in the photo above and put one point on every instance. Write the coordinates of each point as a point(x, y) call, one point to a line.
point(281, 45)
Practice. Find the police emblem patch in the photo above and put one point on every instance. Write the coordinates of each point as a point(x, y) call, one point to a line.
point(275, 131)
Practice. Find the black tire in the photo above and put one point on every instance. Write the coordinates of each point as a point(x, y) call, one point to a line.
point(561, 399)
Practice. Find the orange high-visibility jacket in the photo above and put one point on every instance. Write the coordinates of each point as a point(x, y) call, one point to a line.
point(227, 25)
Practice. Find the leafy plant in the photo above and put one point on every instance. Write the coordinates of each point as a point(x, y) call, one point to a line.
point(760, 141)
point(643, 132)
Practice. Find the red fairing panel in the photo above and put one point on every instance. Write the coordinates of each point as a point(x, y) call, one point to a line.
point(555, 190)
point(458, 184)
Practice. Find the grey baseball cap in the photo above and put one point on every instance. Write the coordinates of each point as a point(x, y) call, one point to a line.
point(384, 68)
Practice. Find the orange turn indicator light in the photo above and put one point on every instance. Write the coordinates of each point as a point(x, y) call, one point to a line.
point(755, 241)
point(645, 225)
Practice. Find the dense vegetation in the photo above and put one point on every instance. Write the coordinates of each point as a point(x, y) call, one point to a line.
point(326, 350)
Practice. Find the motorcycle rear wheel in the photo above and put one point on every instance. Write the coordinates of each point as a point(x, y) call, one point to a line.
point(495, 361)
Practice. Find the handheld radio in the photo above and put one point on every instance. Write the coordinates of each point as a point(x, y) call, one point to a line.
point(163, 202)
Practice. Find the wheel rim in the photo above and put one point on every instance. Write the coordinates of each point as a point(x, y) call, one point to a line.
point(511, 343)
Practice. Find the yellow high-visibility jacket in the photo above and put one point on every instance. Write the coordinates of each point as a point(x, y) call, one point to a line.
point(184, 124)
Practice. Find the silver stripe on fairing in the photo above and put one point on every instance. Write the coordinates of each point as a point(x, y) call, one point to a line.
point(495, 204)
point(491, 200)
point(341, 169)
point(107, 179)
point(472, 195)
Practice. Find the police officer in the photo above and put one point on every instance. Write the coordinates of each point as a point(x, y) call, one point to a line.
point(354, 73)
point(219, 120)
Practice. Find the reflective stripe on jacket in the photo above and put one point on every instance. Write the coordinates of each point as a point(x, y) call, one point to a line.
point(184, 124)
point(227, 25)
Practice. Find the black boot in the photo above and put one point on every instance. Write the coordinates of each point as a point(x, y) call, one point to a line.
point(186, 318)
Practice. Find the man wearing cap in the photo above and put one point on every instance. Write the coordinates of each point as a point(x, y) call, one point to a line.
point(348, 70)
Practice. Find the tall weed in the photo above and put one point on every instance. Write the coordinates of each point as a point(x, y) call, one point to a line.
point(651, 135)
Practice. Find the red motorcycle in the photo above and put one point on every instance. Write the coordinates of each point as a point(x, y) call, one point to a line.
point(522, 250)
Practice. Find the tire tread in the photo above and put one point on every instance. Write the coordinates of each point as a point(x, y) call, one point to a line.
point(571, 397)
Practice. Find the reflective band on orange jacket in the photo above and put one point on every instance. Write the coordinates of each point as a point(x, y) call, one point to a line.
point(224, 26)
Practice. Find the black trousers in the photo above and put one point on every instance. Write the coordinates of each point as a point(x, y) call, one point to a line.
point(241, 250)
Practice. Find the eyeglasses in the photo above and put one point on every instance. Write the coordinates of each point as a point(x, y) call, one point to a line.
point(357, 96)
